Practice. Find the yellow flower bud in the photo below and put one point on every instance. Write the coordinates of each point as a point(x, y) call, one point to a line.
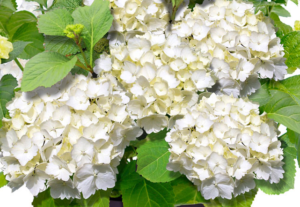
point(5, 48)
point(72, 30)
point(297, 25)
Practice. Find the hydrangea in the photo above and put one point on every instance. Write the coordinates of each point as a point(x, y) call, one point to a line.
point(221, 46)
point(5, 48)
point(78, 127)
point(222, 144)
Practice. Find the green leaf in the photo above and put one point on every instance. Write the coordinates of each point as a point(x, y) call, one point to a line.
point(7, 85)
point(55, 22)
point(286, 183)
point(136, 191)
point(280, 11)
point(295, 1)
point(69, 5)
point(17, 20)
point(175, 4)
point(153, 157)
point(29, 33)
point(45, 65)
point(283, 28)
point(5, 14)
point(284, 104)
point(99, 199)
point(97, 21)
point(291, 44)
point(44, 199)
point(19, 47)
point(186, 192)
point(11, 4)
point(243, 200)
point(262, 95)
point(62, 45)
point(3, 181)
point(42, 2)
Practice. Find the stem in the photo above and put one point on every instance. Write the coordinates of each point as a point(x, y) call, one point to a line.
point(19, 64)
point(42, 9)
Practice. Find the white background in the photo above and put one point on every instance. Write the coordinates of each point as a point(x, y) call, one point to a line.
point(23, 198)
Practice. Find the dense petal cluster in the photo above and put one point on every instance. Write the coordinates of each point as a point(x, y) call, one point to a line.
point(221, 46)
point(79, 127)
point(223, 144)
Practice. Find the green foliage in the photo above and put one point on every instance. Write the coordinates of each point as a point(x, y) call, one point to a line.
point(19, 47)
point(102, 46)
point(7, 86)
point(17, 20)
point(97, 21)
point(29, 33)
point(153, 157)
point(262, 95)
point(5, 14)
point(11, 4)
point(291, 44)
point(42, 2)
point(186, 192)
point(295, 1)
point(291, 140)
point(45, 65)
point(3, 181)
point(69, 5)
point(99, 199)
point(62, 45)
point(280, 11)
point(283, 28)
point(284, 103)
point(175, 4)
point(55, 22)
point(286, 183)
point(137, 191)
point(243, 200)
point(44, 199)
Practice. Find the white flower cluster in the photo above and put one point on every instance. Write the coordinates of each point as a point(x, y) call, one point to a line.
point(223, 138)
point(220, 46)
point(79, 127)
point(220, 42)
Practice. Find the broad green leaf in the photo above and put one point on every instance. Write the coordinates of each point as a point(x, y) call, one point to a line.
point(280, 11)
point(17, 20)
point(45, 65)
point(97, 21)
point(5, 14)
point(186, 192)
point(295, 1)
point(175, 6)
point(243, 200)
point(297, 25)
point(194, 2)
point(286, 183)
point(69, 5)
point(262, 95)
point(153, 157)
point(284, 104)
point(7, 86)
point(44, 199)
point(99, 199)
point(137, 191)
point(42, 2)
point(291, 44)
point(55, 22)
point(11, 4)
point(3, 181)
point(283, 28)
point(29, 33)
point(19, 47)
point(62, 45)
point(292, 139)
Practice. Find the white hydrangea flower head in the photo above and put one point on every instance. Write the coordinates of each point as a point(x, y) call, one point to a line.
point(221, 46)
point(79, 127)
point(222, 144)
